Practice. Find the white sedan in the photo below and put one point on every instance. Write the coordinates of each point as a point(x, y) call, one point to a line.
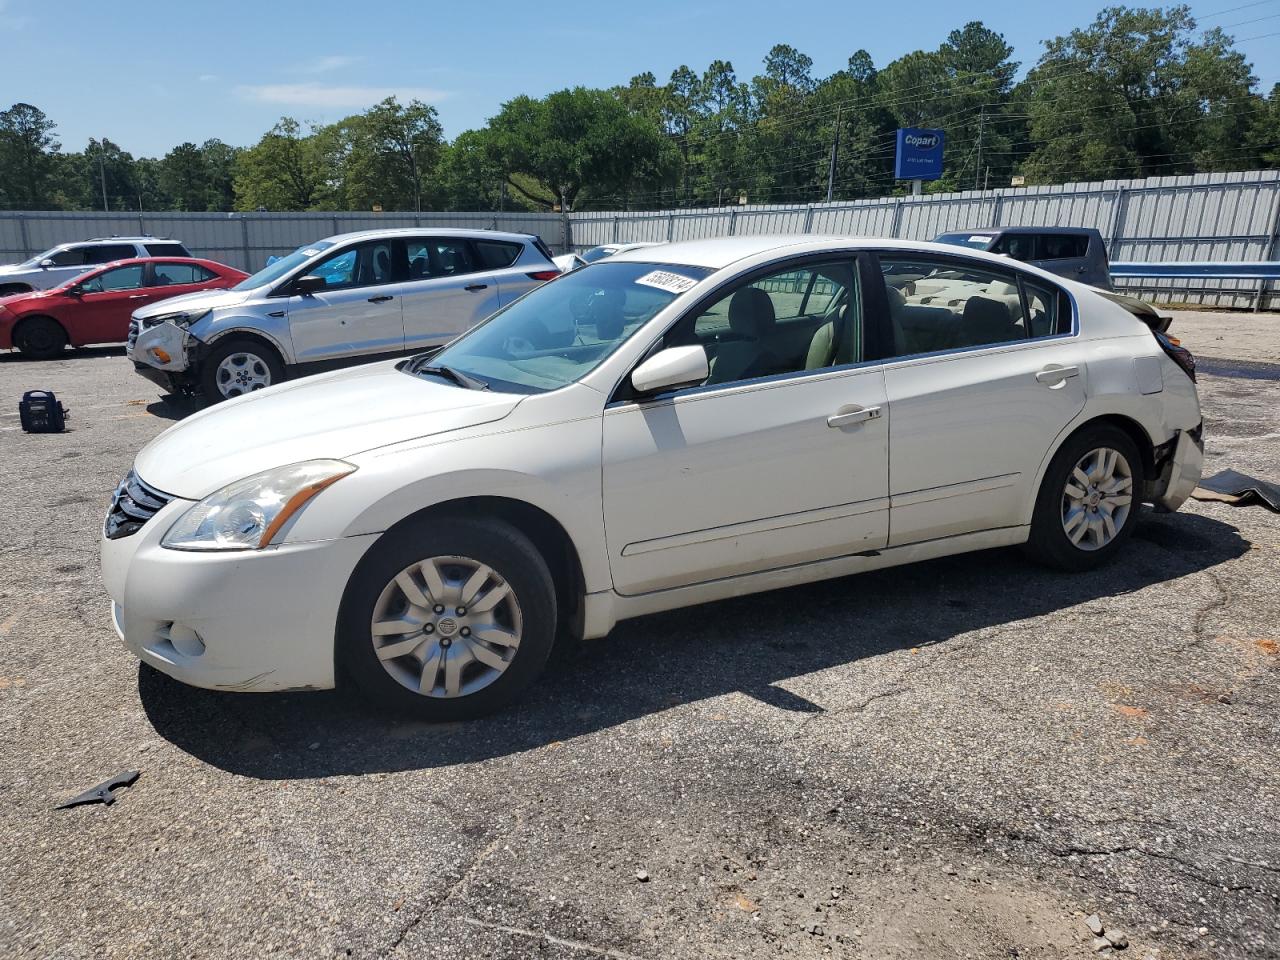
point(729, 416)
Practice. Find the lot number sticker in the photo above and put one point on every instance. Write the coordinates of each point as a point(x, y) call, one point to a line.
point(665, 280)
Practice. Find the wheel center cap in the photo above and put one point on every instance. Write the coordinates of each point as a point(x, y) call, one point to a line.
point(447, 627)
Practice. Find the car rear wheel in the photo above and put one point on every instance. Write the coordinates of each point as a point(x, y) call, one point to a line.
point(237, 367)
point(1088, 501)
point(448, 619)
point(40, 338)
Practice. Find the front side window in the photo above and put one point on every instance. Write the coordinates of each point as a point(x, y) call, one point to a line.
point(364, 265)
point(943, 304)
point(121, 278)
point(1019, 246)
point(801, 318)
point(564, 329)
point(65, 258)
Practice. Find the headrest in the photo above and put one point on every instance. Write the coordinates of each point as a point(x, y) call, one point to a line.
point(605, 311)
point(751, 313)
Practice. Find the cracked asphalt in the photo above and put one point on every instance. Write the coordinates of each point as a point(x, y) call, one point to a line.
point(964, 758)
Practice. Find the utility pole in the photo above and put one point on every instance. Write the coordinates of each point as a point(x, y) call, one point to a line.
point(977, 170)
point(102, 172)
point(835, 153)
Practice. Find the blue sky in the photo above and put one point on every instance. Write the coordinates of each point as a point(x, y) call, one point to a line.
point(150, 75)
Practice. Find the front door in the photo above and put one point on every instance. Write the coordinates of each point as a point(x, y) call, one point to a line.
point(779, 458)
point(988, 376)
point(359, 310)
point(449, 292)
point(106, 303)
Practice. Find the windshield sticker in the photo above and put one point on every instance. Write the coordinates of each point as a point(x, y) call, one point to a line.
point(310, 252)
point(665, 280)
point(978, 238)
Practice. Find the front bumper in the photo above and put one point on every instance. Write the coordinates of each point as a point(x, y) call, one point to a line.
point(1180, 473)
point(258, 620)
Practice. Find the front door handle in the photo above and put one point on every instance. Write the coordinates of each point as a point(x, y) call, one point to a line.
point(381, 299)
point(1052, 375)
point(137, 296)
point(857, 415)
point(476, 286)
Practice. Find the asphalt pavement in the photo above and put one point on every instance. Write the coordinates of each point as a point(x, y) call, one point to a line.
point(973, 757)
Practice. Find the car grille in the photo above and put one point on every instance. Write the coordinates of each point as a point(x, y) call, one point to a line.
point(132, 505)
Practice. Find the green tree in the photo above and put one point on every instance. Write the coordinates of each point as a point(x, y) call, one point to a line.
point(28, 153)
point(283, 171)
point(183, 177)
point(394, 152)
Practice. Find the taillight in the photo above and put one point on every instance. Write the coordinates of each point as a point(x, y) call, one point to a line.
point(1178, 354)
point(543, 275)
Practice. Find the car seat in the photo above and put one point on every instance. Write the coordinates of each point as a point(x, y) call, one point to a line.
point(752, 319)
point(986, 320)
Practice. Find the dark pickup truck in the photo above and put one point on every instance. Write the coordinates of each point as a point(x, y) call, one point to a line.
point(1077, 253)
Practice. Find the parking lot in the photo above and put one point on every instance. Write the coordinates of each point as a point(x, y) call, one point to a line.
point(965, 758)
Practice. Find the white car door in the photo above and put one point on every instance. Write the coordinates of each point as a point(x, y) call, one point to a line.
point(449, 293)
point(990, 374)
point(357, 313)
point(780, 458)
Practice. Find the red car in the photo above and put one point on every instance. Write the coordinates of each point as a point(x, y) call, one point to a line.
point(95, 307)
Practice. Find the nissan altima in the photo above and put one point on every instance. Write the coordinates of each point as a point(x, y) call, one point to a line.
point(727, 416)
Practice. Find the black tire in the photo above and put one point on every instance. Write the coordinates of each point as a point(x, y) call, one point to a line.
point(494, 543)
point(1049, 542)
point(40, 338)
point(265, 363)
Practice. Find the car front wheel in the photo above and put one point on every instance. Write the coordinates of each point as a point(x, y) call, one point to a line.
point(237, 367)
point(1088, 501)
point(40, 338)
point(448, 619)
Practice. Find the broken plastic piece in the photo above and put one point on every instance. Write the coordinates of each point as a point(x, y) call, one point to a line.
point(102, 792)
point(1237, 488)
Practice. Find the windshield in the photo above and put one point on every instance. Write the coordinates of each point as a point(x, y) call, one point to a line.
point(274, 271)
point(976, 241)
point(596, 253)
point(561, 331)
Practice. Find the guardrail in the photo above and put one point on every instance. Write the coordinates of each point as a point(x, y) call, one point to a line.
point(1186, 270)
point(1263, 272)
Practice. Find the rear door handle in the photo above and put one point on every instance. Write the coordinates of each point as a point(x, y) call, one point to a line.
point(476, 286)
point(381, 299)
point(1057, 374)
point(860, 415)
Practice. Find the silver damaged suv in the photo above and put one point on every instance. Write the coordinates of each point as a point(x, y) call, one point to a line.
point(351, 298)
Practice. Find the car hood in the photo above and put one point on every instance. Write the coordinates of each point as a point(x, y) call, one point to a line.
point(200, 300)
point(9, 269)
point(329, 416)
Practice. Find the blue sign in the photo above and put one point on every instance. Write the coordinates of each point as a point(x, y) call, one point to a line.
point(919, 155)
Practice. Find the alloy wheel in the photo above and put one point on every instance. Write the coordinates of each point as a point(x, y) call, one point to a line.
point(240, 373)
point(1097, 498)
point(446, 626)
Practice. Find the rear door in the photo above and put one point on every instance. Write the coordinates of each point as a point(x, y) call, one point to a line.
point(358, 313)
point(106, 303)
point(1066, 254)
point(988, 371)
point(448, 291)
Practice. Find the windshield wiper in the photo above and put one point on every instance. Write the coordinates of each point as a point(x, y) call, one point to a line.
point(457, 376)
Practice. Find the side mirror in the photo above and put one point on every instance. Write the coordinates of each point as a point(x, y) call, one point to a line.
point(671, 368)
point(46, 263)
point(74, 291)
point(305, 286)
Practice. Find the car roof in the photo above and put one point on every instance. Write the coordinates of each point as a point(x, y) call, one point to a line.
point(1077, 231)
point(429, 232)
point(142, 238)
point(723, 251)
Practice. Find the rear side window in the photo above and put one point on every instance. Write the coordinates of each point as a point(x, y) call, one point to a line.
point(496, 254)
point(439, 257)
point(107, 252)
point(1045, 308)
point(1061, 246)
point(170, 274)
point(166, 250)
point(940, 304)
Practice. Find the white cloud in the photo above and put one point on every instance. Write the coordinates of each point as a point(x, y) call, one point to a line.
point(323, 95)
point(208, 77)
point(326, 64)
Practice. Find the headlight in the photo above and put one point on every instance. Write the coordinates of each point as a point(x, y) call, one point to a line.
point(247, 514)
point(179, 319)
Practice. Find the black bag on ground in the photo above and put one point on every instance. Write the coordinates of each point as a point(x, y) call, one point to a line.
point(40, 412)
